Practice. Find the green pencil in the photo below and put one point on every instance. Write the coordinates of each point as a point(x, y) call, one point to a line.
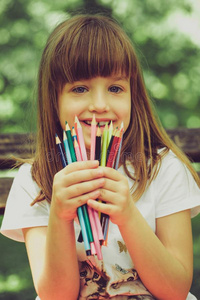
point(70, 141)
point(104, 146)
point(87, 223)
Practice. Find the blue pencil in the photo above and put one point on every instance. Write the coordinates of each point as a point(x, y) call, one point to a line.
point(60, 150)
point(66, 145)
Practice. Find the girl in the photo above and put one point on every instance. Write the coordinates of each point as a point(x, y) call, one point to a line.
point(90, 67)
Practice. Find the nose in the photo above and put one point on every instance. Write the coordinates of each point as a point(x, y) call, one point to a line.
point(99, 102)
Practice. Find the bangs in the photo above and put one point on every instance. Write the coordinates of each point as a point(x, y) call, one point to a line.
point(94, 48)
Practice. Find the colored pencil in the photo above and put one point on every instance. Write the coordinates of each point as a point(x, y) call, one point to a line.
point(110, 132)
point(80, 137)
point(110, 161)
point(98, 234)
point(105, 230)
point(86, 242)
point(93, 215)
point(120, 147)
point(77, 150)
point(98, 145)
point(117, 153)
point(104, 146)
point(75, 124)
point(73, 133)
point(81, 214)
point(113, 150)
point(66, 146)
point(93, 138)
point(79, 210)
point(110, 143)
point(60, 151)
point(84, 207)
point(70, 141)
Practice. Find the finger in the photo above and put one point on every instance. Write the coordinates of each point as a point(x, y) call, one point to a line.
point(83, 188)
point(81, 165)
point(112, 185)
point(101, 207)
point(81, 200)
point(107, 196)
point(111, 173)
point(81, 176)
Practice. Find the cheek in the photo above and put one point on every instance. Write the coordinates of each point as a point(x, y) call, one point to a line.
point(127, 121)
point(67, 112)
point(124, 114)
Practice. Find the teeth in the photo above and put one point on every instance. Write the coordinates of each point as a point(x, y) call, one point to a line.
point(102, 123)
point(88, 122)
point(99, 123)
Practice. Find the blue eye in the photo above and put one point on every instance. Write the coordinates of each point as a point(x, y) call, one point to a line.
point(79, 90)
point(115, 89)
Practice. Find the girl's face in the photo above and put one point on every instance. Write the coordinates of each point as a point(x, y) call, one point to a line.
point(109, 98)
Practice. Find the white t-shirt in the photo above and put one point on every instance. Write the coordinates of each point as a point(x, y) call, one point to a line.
point(173, 190)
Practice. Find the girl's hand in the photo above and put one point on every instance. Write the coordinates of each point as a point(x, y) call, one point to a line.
point(73, 186)
point(115, 193)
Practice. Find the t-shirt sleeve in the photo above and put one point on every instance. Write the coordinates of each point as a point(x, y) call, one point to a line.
point(18, 212)
point(175, 188)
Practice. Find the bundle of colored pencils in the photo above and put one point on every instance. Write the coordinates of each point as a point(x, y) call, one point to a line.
point(106, 148)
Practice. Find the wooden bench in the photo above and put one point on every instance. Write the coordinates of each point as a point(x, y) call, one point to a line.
point(20, 145)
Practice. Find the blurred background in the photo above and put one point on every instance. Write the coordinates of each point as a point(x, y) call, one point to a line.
point(166, 35)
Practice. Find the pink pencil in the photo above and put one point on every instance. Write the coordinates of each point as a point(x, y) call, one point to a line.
point(80, 137)
point(77, 150)
point(92, 218)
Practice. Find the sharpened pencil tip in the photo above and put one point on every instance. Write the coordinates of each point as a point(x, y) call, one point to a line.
point(93, 120)
point(111, 125)
point(57, 140)
point(98, 131)
point(67, 126)
point(106, 126)
point(73, 131)
point(64, 135)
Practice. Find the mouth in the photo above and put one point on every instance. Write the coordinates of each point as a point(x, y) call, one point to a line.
point(99, 123)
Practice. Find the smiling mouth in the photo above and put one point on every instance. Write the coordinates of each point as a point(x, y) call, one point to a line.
point(100, 124)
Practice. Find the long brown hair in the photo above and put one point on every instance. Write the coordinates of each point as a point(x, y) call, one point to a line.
point(83, 47)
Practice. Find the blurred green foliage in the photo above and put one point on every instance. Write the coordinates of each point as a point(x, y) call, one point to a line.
point(165, 34)
point(15, 275)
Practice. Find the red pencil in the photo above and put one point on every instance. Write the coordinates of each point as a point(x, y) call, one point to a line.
point(113, 150)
